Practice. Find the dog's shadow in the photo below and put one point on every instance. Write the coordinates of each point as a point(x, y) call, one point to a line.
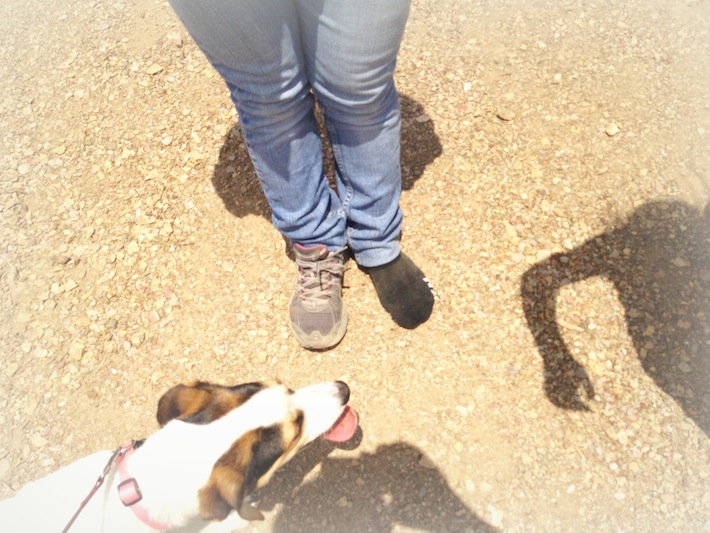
point(235, 182)
point(365, 492)
point(659, 263)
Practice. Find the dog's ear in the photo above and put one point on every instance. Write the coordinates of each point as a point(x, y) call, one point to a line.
point(201, 403)
point(246, 466)
point(179, 400)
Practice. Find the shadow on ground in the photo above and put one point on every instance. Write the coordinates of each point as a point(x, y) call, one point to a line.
point(659, 263)
point(236, 183)
point(368, 492)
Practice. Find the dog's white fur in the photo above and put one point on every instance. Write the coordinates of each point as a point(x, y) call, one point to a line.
point(170, 467)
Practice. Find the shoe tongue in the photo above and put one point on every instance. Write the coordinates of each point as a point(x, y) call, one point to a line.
point(311, 253)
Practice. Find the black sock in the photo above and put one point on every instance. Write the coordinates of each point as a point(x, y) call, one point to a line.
point(403, 291)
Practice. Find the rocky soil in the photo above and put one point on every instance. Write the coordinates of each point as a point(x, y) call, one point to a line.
point(556, 170)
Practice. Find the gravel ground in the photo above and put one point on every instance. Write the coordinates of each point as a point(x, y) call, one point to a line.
point(556, 170)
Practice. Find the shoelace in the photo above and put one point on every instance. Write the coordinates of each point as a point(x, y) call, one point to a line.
point(318, 277)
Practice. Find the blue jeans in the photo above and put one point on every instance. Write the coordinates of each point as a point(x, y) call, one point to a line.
point(277, 57)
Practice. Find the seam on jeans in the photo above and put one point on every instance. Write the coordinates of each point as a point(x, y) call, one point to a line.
point(255, 162)
point(236, 100)
point(337, 155)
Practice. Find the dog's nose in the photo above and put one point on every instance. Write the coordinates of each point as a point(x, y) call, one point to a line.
point(343, 391)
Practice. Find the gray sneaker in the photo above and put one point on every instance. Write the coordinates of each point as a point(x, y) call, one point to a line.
point(318, 313)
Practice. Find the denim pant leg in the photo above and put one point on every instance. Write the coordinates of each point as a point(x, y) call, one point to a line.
point(350, 48)
point(255, 45)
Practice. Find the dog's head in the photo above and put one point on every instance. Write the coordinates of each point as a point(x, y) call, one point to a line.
point(268, 423)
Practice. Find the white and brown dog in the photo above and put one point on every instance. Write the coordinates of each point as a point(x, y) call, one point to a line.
point(215, 446)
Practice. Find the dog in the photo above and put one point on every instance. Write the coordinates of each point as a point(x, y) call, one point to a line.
point(215, 446)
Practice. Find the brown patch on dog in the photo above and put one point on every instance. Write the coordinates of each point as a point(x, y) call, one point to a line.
point(292, 439)
point(199, 402)
point(246, 466)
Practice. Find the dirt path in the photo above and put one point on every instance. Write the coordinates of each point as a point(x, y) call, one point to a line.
point(557, 168)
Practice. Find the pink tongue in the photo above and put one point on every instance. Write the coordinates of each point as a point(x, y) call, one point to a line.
point(344, 428)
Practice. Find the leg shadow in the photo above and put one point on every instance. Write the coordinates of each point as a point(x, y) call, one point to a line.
point(235, 181)
point(659, 263)
point(369, 492)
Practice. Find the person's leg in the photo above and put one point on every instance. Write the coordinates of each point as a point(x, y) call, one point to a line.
point(350, 48)
point(255, 46)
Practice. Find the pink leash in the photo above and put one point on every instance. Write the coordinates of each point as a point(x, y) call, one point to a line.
point(116, 457)
point(128, 490)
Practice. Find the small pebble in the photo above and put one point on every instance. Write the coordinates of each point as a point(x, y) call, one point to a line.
point(505, 114)
point(154, 69)
point(612, 129)
point(426, 462)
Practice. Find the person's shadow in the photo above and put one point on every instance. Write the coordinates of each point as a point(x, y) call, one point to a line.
point(367, 492)
point(235, 182)
point(659, 263)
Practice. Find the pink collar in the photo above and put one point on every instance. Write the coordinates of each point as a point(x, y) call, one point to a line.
point(130, 493)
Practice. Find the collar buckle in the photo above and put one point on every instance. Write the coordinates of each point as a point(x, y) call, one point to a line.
point(129, 492)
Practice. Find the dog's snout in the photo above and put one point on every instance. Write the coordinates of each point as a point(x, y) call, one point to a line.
point(343, 391)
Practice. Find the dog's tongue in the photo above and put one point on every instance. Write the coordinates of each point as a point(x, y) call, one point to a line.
point(344, 428)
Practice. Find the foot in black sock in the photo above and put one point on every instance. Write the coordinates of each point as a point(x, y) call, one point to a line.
point(403, 291)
